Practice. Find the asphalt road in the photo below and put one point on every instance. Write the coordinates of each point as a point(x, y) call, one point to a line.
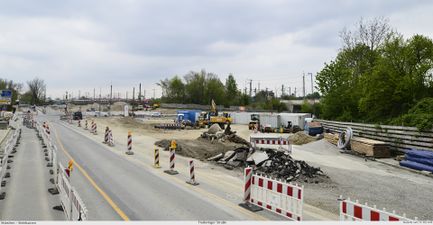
point(27, 197)
point(113, 187)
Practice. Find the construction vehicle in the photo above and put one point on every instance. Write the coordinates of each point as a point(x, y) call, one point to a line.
point(188, 118)
point(215, 118)
point(254, 122)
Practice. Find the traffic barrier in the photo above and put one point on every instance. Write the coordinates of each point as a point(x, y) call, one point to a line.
point(78, 209)
point(70, 201)
point(3, 168)
point(354, 211)
point(191, 174)
point(85, 125)
point(94, 128)
point(64, 188)
point(272, 142)
point(110, 139)
point(171, 171)
point(10, 144)
point(129, 144)
point(156, 158)
point(106, 135)
point(277, 196)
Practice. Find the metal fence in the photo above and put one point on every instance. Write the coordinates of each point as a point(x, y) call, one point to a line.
point(397, 137)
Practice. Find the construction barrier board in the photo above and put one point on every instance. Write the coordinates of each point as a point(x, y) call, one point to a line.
point(272, 142)
point(354, 211)
point(277, 196)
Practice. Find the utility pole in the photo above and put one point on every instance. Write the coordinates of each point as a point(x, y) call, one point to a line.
point(144, 94)
point(282, 89)
point(139, 92)
point(111, 92)
point(126, 96)
point(303, 84)
point(259, 86)
point(251, 86)
point(133, 94)
point(290, 90)
point(312, 87)
point(295, 91)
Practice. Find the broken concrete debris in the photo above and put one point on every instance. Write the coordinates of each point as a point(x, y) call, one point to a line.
point(276, 164)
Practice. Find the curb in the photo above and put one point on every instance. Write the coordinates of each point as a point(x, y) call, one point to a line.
point(407, 169)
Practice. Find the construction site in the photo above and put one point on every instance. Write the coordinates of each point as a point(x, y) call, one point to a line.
point(216, 112)
point(318, 157)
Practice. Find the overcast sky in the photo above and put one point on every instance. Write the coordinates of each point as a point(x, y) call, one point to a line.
point(81, 45)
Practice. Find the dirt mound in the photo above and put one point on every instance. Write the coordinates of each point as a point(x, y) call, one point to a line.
point(199, 148)
point(300, 138)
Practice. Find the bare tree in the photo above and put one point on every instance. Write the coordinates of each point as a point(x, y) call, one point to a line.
point(37, 90)
point(371, 33)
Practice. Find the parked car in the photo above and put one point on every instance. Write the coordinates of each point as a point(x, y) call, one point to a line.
point(77, 116)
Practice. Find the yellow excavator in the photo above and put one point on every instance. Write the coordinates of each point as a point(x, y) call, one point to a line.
point(221, 120)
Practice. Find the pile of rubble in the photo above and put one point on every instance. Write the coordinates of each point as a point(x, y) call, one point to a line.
point(215, 133)
point(276, 164)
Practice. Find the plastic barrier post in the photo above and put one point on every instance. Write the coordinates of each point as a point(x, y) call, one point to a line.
point(129, 144)
point(191, 174)
point(156, 159)
point(171, 171)
point(248, 173)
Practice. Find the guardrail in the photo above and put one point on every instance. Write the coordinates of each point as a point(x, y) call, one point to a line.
point(397, 137)
point(72, 204)
point(10, 143)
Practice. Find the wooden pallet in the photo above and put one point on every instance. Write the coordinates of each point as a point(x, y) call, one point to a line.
point(369, 147)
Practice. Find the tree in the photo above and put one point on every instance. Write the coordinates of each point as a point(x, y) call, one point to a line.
point(231, 90)
point(371, 33)
point(37, 90)
point(214, 90)
point(195, 87)
point(175, 91)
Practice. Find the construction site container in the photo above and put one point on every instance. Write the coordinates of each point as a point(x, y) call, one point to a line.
point(297, 119)
point(241, 117)
point(191, 115)
point(270, 119)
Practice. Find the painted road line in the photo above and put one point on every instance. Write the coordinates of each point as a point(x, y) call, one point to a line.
point(92, 182)
point(179, 181)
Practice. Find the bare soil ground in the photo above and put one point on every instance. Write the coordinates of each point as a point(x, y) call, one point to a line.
point(350, 176)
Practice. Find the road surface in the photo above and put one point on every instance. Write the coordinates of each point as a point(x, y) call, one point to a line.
point(113, 187)
point(27, 197)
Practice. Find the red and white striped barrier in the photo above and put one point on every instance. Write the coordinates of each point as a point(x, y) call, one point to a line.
point(110, 139)
point(171, 171)
point(106, 135)
point(129, 144)
point(94, 128)
point(271, 141)
point(274, 195)
point(191, 174)
point(354, 211)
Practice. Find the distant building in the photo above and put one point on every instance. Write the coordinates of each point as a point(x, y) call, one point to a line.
point(294, 106)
